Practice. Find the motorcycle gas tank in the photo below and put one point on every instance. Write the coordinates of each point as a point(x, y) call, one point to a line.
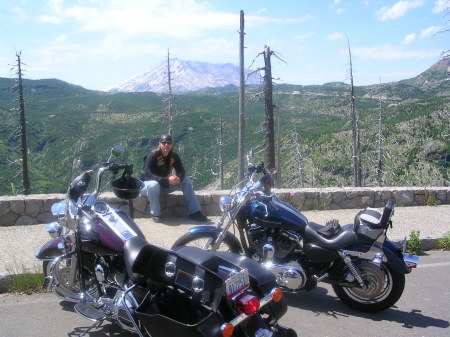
point(278, 215)
point(107, 231)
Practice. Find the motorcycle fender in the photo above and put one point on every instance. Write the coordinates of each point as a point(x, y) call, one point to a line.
point(394, 257)
point(49, 251)
point(393, 254)
point(211, 229)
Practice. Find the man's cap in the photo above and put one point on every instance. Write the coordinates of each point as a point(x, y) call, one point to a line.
point(166, 138)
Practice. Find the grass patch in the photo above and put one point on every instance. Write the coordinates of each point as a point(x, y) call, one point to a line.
point(444, 242)
point(21, 280)
point(28, 283)
point(413, 244)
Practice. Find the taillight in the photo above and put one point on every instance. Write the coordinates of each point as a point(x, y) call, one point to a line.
point(247, 304)
point(227, 330)
point(277, 294)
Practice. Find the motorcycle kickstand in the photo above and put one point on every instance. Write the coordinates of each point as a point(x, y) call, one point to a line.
point(96, 325)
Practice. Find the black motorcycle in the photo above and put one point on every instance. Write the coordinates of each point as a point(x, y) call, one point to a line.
point(366, 270)
point(100, 260)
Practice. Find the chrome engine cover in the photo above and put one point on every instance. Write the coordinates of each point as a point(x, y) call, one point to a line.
point(290, 276)
point(284, 241)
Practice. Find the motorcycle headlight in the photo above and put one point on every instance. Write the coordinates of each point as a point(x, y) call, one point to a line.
point(225, 203)
point(54, 229)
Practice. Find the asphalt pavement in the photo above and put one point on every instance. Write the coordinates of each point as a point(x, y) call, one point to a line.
point(18, 244)
point(422, 311)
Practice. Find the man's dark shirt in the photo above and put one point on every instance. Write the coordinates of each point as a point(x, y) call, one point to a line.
point(157, 167)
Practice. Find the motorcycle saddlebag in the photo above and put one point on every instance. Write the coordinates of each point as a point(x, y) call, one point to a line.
point(368, 223)
point(173, 314)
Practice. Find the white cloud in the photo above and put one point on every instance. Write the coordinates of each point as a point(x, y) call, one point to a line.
point(20, 13)
point(49, 19)
point(388, 52)
point(60, 38)
point(305, 36)
point(409, 38)
point(336, 36)
point(430, 31)
point(440, 6)
point(340, 10)
point(399, 9)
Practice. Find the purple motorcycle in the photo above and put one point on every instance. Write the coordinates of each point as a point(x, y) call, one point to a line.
point(99, 259)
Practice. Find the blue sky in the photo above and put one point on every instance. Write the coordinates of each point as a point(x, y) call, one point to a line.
point(101, 43)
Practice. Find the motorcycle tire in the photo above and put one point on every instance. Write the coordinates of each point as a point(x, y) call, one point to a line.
point(64, 288)
point(384, 288)
point(201, 239)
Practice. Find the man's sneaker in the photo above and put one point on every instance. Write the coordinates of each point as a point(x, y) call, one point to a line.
point(156, 218)
point(198, 216)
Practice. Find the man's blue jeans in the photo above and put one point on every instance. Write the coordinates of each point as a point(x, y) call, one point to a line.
point(152, 190)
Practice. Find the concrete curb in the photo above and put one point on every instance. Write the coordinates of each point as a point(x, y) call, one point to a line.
point(426, 244)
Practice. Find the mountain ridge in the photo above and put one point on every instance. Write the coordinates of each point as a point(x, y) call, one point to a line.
point(186, 76)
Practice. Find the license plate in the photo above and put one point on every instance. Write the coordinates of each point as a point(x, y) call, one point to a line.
point(237, 283)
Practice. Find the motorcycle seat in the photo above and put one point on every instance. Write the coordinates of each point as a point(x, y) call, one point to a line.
point(143, 258)
point(344, 237)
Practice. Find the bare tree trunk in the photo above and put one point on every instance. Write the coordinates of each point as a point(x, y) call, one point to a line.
point(379, 150)
point(241, 145)
point(23, 134)
point(278, 182)
point(170, 98)
point(268, 99)
point(299, 160)
point(356, 156)
point(221, 173)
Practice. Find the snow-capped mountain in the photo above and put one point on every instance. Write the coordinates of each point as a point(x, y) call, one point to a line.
point(185, 76)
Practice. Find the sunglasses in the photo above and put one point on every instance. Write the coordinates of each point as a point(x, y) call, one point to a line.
point(166, 143)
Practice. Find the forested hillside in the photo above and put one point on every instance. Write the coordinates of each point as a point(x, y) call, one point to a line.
point(315, 133)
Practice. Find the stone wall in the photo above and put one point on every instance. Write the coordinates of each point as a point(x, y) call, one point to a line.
point(35, 209)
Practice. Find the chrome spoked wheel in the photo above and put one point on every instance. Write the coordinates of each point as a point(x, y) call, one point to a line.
point(382, 288)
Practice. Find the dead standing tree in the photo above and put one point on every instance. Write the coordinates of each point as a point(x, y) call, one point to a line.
point(356, 156)
point(268, 107)
point(241, 146)
point(379, 144)
point(267, 92)
point(22, 128)
point(169, 100)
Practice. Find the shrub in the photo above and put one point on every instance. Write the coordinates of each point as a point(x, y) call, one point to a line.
point(444, 242)
point(413, 244)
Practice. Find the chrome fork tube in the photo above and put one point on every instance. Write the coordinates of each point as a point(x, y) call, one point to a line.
point(229, 216)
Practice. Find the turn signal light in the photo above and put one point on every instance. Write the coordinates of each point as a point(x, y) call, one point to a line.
point(227, 330)
point(247, 304)
point(277, 294)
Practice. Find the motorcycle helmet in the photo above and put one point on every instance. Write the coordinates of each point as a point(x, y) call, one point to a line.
point(127, 188)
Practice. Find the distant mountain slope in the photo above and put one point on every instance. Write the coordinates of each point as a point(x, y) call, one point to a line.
point(186, 76)
point(314, 142)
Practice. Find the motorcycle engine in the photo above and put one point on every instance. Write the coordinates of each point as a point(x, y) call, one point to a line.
point(290, 274)
point(284, 242)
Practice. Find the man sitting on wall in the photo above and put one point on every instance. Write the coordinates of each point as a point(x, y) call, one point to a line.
point(164, 173)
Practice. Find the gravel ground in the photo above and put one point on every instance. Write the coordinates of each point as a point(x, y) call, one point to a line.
point(18, 244)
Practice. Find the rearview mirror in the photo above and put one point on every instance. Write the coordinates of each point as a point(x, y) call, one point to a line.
point(117, 151)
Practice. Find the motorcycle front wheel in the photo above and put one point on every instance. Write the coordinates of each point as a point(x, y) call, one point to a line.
point(205, 240)
point(383, 288)
point(71, 292)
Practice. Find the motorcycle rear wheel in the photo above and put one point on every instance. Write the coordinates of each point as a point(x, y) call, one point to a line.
point(205, 240)
point(383, 289)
